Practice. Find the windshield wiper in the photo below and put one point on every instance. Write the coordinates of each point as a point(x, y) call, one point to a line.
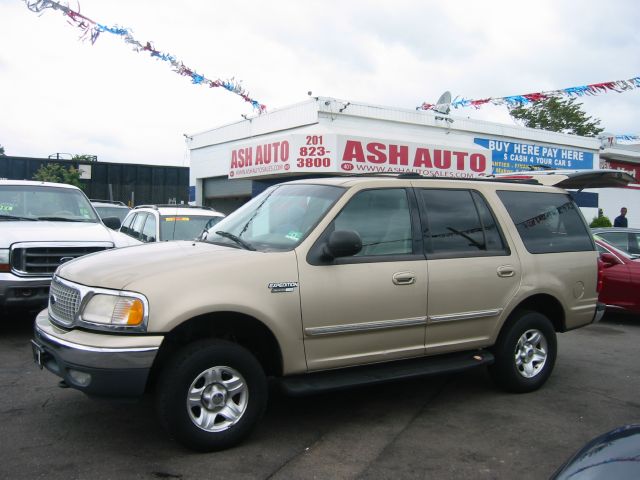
point(13, 217)
point(60, 219)
point(235, 238)
point(475, 243)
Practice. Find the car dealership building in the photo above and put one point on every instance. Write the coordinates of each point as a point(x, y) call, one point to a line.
point(325, 136)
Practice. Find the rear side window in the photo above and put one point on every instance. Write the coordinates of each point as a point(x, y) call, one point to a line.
point(547, 222)
point(460, 224)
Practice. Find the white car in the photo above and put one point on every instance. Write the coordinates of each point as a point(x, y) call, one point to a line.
point(159, 223)
point(43, 225)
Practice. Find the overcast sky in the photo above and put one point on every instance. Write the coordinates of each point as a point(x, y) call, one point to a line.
point(61, 94)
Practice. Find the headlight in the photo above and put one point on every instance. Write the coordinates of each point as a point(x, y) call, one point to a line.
point(4, 260)
point(114, 310)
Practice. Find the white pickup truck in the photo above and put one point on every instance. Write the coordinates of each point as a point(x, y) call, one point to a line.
point(43, 225)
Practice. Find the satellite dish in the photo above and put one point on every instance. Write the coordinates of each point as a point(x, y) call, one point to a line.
point(443, 105)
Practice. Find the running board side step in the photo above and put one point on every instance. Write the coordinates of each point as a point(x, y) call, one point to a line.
point(343, 378)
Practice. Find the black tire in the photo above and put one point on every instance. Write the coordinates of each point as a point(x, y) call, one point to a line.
point(525, 353)
point(214, 418)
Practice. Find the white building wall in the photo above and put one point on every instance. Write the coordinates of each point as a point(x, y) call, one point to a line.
point(611, 200)
point(211, 150)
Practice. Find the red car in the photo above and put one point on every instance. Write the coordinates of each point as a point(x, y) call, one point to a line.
point(620, 278)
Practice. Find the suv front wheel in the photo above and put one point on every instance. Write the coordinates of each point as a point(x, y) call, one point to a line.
point(525, 353)
point(211, 395)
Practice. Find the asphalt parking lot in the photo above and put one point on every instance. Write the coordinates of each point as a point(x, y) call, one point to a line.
point(446, 427)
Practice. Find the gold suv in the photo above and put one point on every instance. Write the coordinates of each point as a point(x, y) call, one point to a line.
point(321, 284)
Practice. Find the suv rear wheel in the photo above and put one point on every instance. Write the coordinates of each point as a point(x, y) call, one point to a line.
point(525, 353)
point(211, 395)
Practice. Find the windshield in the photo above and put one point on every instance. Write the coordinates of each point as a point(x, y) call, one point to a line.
point(35, 202)
point(185, 227)
point(276, 220)
point(105, 212)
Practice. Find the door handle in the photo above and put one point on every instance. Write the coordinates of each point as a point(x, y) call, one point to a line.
point(506, 271)
point(404, 278)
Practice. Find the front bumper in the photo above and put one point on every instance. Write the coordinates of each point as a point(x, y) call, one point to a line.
point(98, 364)
point(23, 292)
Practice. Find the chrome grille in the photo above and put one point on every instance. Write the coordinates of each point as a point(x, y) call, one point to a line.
point(43, 260)
point(64, 302)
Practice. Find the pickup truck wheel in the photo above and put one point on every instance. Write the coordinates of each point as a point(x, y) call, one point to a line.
point(525, 353)
point(211, 394)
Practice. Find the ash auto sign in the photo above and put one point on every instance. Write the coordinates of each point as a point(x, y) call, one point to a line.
point(266, 158)
point(290, 154)
point(367, 155)
point(516, 157)
point(342, 154)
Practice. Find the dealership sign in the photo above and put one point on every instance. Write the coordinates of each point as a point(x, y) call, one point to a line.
point(516, 157)
point(300, 154)
point(630, 168)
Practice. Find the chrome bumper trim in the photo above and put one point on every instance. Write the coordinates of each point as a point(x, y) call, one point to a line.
point(95, 357)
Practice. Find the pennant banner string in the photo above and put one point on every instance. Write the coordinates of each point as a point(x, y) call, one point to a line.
point(91, 30)
point(618, 86)
point(628, 138)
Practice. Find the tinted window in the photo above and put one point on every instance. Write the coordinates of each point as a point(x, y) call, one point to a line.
point(183, 227)
point(547, 222)
point(381, 218)
point(460, 224)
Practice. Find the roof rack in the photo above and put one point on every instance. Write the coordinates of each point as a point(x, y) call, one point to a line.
point(521, 178)
point(180, 205)
point(113, 202)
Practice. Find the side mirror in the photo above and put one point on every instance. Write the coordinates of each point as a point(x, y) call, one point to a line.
point(342, 243)
point(112, 222)
point(609, 259)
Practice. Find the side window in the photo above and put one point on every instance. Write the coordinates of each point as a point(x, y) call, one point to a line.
point(136, 227)
point(634, 243)
point(617, 239)
point(381, 218)
point(149, 230)
point(126, 225)
point(547, 222)
point(460, 224)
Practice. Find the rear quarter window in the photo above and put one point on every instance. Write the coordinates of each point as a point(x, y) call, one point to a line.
point(547, 222)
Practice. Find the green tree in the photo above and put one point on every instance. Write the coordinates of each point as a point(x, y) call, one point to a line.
point(84, 158)
point(2, 154)
point(54, 172)
point(557, 115)
point(600, 221)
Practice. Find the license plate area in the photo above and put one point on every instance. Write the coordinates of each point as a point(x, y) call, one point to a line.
point(38, 354)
